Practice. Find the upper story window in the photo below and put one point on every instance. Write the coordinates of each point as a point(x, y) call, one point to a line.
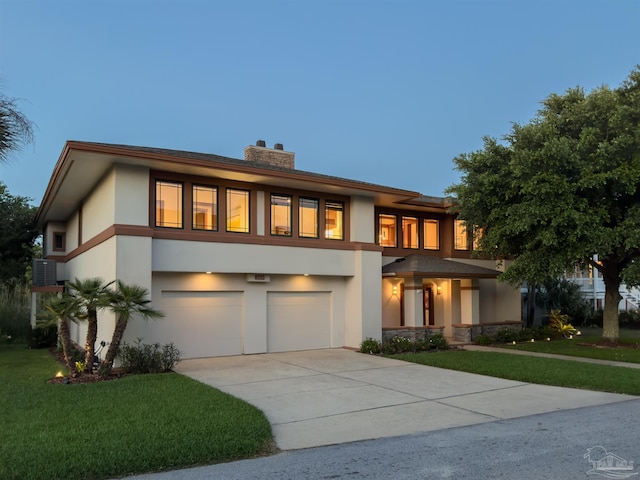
point(205, 208)
point(281, 215)
point(59, 241)
point(237, 211)
point(308, 210)
point(334, 220)
point(460, 235)
point(431, 234)
point(168, 204)
point(409, 232)
point(387, 229)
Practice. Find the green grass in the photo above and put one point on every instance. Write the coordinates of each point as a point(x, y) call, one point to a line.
point(545, 371)
point(576, 348)
point(136, 424)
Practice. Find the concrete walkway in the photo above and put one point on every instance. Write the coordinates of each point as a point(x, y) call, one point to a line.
point(323, 397)
point(613, 363)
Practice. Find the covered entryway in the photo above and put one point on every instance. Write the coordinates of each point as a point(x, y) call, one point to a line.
point(298, 321)
point(202, 323)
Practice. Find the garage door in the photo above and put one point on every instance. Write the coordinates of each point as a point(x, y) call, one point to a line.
point(202, 324)
point(298, 321)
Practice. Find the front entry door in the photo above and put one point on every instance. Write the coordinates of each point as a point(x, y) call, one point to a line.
point(427, 300)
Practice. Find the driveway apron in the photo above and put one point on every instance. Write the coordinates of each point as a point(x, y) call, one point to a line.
point(323, 397)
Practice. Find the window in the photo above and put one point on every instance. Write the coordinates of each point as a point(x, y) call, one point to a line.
point(461, 239)
point(409, 232)
point(334, 220)
point(237, 211)
point(168, 204)
point(205, 208)
point(387, 230)
point(281, 215)
point(308, 209)
point(58, 242)
point(431, 234)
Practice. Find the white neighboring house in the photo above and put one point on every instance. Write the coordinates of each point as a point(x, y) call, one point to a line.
point(592, 285)
point(252, 255)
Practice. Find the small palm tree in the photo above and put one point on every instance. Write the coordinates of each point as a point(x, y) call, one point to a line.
point(63, 308)
point(92, 295)
point(126, 301)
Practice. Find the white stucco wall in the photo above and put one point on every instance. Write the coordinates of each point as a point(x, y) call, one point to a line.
point(362, 219)
point(185, 256)
point(131, 195)
point(363, 290)
point(98, 211)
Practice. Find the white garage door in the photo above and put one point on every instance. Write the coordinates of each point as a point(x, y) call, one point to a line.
point(202, 324)
point(298, 321)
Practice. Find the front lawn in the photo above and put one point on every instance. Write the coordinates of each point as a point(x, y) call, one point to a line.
point(585, 346)
point(136, 424)
point(545, 371)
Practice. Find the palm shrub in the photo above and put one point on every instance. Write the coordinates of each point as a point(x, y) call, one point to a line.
point(92, 295)
point(126, 301)
point(62, 309)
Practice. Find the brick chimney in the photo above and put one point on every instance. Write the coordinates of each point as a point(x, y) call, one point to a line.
point(276, 156)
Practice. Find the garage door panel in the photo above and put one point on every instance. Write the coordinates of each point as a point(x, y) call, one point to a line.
point(203, 324)
point(298, 321)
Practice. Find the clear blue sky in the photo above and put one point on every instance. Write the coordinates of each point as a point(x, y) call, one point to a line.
point(387, 92)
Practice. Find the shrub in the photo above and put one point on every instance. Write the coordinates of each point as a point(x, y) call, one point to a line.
point(43, 337)
point(629, 318)
point(370, 345)
point(148, 358)
point(483, 340)
point(506, 335)
point(560, 323)
point(396, 344)
point(437, 342)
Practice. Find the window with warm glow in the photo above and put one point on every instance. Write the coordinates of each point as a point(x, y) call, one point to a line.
point(431, 234)
point(205, 208)
point(460, 236)
point(308, 209)
point(281, 215)
point(168, 204)
point(334, 221)
point(409, 232)
point(237, 211)
point(387, 230)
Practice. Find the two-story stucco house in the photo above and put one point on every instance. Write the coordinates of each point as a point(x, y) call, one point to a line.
point(251, 255)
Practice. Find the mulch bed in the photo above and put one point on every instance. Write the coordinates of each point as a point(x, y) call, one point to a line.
point(81, 378)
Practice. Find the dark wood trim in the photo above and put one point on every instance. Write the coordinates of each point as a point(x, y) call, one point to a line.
point(213, 237)
point(48, 289)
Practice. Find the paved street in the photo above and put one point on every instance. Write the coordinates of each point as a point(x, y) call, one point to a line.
point(545, 446)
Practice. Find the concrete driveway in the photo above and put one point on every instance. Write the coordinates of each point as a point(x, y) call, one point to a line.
point(323, 397)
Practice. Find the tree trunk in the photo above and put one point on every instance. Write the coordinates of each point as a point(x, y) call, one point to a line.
point(90, 345)
point(65, 339)
point(110, 357)
point(612, 297)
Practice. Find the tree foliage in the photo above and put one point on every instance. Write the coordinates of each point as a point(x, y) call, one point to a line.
point(16, 130)
point(17, 235)
point(561, 188)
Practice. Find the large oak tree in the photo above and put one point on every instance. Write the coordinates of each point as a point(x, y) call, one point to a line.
point(563, 188)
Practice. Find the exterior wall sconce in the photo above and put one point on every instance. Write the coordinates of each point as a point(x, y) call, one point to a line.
point(394, 290)
point(439, 290)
